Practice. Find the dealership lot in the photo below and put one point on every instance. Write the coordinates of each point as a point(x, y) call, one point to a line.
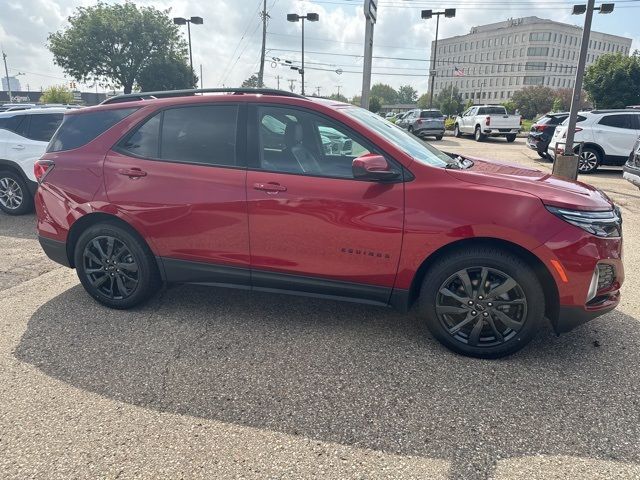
point(210, 382)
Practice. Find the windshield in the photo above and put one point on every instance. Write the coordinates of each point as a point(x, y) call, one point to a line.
point(421, 152)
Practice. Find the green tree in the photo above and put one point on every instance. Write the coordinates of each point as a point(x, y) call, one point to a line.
point(469, 104)
point(407, 94)
point(613, 80)
point(532, 101)
point(385, 93)
point(449, 100)
point(557, 105)
point(57, 94)
point(562, 100)
point(375, 104)
point(251, 82)
point(356, 100)
point(423, 101)
point(339, 97)
point(171, 73)
point(510, 106)
point(114, 43)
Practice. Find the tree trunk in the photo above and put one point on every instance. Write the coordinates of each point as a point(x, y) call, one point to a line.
point(127, 87)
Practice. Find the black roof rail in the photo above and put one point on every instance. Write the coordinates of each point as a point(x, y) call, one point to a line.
point(132, 97)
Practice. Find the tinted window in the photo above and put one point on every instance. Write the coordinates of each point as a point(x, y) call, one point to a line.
point(13, 124)
point(492, 111)
point(203, 134)
point(430, 114)
point(80, 129)
point(144, 142)
point(43, 126)
point(618, 121)
point(293, 141)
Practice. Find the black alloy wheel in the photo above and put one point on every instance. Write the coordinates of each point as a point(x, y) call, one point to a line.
point(110, 267)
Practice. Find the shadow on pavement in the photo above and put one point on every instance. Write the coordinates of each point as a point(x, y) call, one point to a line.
point(350, 374)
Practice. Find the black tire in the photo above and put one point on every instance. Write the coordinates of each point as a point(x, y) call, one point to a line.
point(589, 160)
point(439, 137)
point(456, 131)
point(542, 155)
point(136, 262)
point(15, 197)
point(410, 129)
point(523, 306)
point(511, 138)
point(478, 135)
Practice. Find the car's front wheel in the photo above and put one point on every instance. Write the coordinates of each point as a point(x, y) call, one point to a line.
point(479, 136)
point(115, 266)
point(482, 302)
point(456, 131)
point(15, 198)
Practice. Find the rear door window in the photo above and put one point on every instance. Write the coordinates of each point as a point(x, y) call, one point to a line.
point(430, 114)
point(13, 124)
point(79, 129)
point(618, 121)
point(43, 126)
point(203, 134)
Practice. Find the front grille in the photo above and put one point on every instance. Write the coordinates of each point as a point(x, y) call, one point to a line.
point(606, 276)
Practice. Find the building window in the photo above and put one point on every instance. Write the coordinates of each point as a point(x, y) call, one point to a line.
point(539, 36)
point(533, 81)
point(538, 51)
point(515, 39)
point(517, 80)
point(535, 66)
point(502, 94)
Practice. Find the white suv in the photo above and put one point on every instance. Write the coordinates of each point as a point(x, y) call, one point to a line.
point(608, 137)
point(24, 136)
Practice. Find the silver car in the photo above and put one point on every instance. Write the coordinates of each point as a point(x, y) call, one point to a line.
point(425, 123)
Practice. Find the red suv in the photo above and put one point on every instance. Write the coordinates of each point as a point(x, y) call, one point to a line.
point(266, 190)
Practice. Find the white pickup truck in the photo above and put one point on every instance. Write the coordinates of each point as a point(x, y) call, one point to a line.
point(484, 121)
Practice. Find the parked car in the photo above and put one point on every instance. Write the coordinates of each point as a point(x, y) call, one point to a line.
point(402, 119)
point(24, 135)
point(487, 121)
point(607, 137)
point(631, 169)
point(425, 123)
point(542, 130)
point(139, 192)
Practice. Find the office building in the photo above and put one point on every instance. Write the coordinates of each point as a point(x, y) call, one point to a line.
point(493, 61)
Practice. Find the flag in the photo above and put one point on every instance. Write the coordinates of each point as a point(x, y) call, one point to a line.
point(458, 72)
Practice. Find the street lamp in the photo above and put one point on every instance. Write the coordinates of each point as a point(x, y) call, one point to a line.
point(294, 17)
point(427, 14)
point(189, 21)
point(566, 165)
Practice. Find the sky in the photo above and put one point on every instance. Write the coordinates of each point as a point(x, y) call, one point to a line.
point(228, 44)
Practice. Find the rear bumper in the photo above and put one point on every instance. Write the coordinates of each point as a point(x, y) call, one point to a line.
point(429, 131)
point(537, 143)
point(55, 250)
point(498, 132)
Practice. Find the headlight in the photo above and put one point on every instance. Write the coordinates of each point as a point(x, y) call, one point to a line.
point(601, 224)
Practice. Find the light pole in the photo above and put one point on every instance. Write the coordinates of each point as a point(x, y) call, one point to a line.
point(427, 14)
point(294, 17)
point(566, 165)
point(6, 72)
point(189, 21)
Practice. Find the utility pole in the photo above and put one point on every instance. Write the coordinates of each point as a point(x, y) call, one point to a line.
point(6, 72)
point(264, 15)
point(566, 165)
point(318, 91)
point(338, 87)
point(278, 77)
point(201, 81)
point(371, 15)
point(291, 82)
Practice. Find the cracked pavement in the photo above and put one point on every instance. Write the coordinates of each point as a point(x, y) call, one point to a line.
point(213, 383)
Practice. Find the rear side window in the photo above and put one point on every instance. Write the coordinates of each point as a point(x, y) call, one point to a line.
point(203, 134)
point(492, 111)
point(12, 124)
point(618, 121)
point(43, 126)
point(78, 130)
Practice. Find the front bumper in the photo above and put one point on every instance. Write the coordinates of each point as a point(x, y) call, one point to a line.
point(570, 317)
point(631, 174)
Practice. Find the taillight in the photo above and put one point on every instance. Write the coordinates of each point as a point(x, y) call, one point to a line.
point(578, 129)
point(42, 168)
point(537, 128)
point(487, 121)
point(419, 121)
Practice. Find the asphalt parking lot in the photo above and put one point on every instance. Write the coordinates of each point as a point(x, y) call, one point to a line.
point(214, 383)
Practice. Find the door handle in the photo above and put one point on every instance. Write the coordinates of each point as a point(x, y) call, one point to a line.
point(269, 187)
point(132, 172)
point(18, 147)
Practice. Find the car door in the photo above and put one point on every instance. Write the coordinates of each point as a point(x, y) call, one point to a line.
point(313, 226)
point(467, 120)
point(180, 175)
point(616, 134)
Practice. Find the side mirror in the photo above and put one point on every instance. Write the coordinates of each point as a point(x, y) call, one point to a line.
point(374, 167)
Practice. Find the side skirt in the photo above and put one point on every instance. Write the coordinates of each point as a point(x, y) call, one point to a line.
point(184, 271)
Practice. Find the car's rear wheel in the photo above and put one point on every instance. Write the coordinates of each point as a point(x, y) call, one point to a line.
point(410, 129)
point(439, 137)
point(115, 266)
point(511, 138)
point(479, 136)
point(589, 160)
point(482, 302)
point(456, 131)
point(542, 155)
point(15, 198)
